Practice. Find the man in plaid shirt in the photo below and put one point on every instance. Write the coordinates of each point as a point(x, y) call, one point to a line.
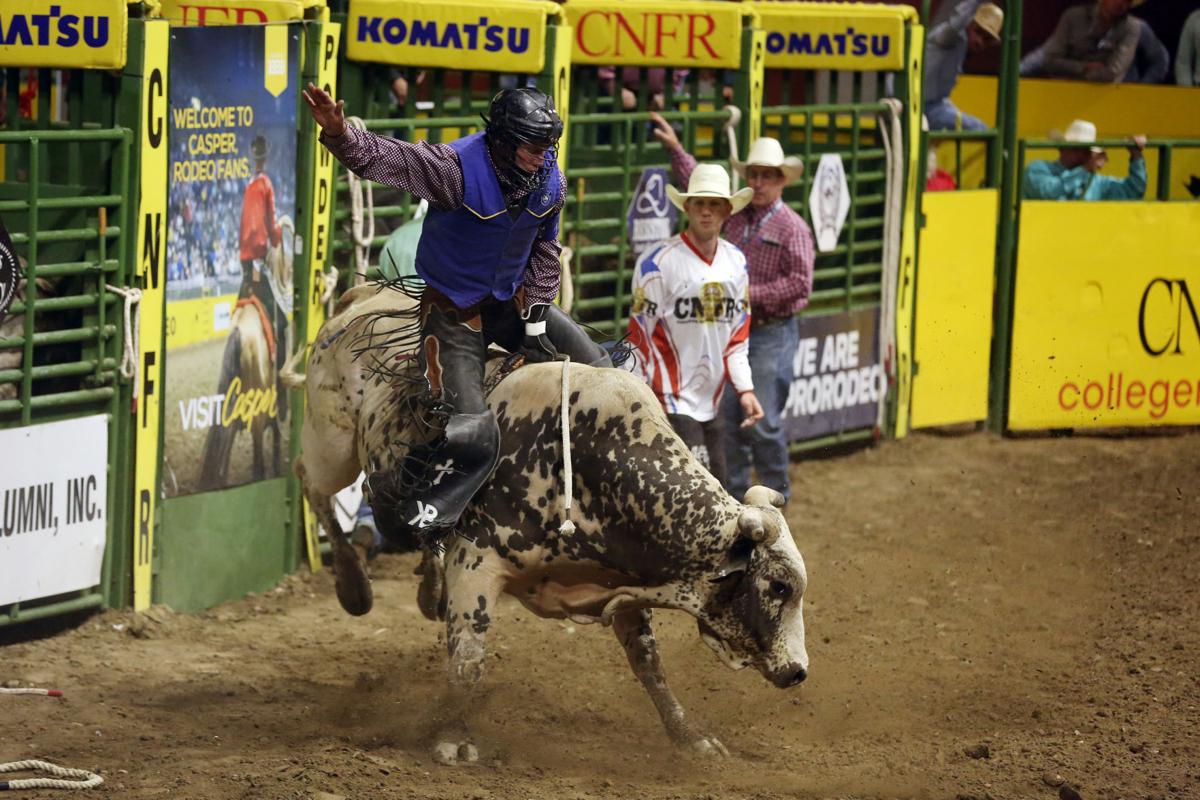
point(489, 257)
point(778, 245)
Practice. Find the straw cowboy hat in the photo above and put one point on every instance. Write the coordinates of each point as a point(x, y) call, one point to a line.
point(990, 18)
point(1079, 132)
point(710, 180)
point(767, 152)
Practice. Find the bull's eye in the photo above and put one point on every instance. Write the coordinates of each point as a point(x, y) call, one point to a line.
point(780, 589)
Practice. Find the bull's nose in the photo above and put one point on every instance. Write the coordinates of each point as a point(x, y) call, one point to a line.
point(798, 677)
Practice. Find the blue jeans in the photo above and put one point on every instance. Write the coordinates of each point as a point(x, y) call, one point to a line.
point(772, 348)
point(945, 116)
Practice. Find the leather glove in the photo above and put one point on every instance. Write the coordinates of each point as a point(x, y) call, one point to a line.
point(537, 347)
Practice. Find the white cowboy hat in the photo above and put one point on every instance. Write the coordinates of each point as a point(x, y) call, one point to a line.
point(990, 18)
point(767, 152)
point(1080, 132)
point(710, 180)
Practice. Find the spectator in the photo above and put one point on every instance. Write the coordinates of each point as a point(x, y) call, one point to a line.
point(1075, 175)
point(690, 319)
point(778, 245)
point(1187, 60)
point(1093, 42)
point(958, 27)
point(1151, 60)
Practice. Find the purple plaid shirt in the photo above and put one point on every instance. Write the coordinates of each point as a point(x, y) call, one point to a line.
point(779, 251)
point(432, 172)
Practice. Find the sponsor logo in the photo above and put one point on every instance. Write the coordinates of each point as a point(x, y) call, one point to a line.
point(236, 406)
point(10, 272)
point(1167, 307)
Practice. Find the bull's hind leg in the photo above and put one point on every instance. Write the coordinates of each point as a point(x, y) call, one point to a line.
point(350, 573)
point(473, 589)
point(636, 634)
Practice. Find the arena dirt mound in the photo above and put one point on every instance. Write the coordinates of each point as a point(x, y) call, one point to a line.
point(987, 618)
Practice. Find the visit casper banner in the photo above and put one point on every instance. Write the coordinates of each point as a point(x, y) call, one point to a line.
point(678, 34)
point(1106, 328)
point(837, 375)
point(230, 252)
point(843, 36)
point(53, 507)
point(504, 36)
point(231, 12)
point(91, 34)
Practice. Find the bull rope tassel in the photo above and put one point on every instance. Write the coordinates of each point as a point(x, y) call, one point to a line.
point(133, 317)
point(362, 239)
point(568, 489)
point(79, 778)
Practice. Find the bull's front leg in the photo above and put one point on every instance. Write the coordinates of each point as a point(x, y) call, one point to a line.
point(473, 587)
point(635, 632)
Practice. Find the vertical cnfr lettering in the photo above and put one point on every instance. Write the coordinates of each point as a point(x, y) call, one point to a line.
point(143, 548)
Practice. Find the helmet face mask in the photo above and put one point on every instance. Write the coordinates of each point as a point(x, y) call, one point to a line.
point(521, 117)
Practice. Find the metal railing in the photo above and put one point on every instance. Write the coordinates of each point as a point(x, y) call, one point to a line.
point(979, 145)
point(1164, 150)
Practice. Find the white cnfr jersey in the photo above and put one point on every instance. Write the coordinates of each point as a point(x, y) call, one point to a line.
point(689, 325)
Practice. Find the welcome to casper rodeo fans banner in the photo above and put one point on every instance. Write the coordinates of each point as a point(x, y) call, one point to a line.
point(229, 253)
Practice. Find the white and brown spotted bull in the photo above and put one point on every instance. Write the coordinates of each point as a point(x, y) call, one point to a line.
point(652, 528)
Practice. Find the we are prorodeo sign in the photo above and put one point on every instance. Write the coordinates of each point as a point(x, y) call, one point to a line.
point(10, 271)
point(53, 507)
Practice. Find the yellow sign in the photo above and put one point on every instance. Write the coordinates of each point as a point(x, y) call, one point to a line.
point(679, 34)
point(561, 70)
point(319, 237)
point(834, 36)
point(1106, 328)
point(90, 34)
point(199, 319)
point(275, 60)
point(908, 236)
point(152, 275)
point(955, 278)
point(232, 12)
point(504, 36)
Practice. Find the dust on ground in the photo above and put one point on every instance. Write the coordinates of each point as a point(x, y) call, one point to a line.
point(986, 617)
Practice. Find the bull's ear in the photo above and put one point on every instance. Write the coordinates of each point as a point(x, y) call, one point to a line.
point(737, 559)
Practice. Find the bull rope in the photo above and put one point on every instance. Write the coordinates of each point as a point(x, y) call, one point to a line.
point(79, 778)
point(362, 239)
point(133, 317)
point(567, 526)
point(892, 134)
point(735, 117)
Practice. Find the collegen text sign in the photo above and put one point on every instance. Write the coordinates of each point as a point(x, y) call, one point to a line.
point(63, 33)
point(656, 34)
point(506, 36)
point(1106, 330)
point(819, 36)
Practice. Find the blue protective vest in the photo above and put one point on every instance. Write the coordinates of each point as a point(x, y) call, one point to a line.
point(480, 250)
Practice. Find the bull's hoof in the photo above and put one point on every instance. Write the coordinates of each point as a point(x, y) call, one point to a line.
point(451, 753)
point(706, 747)
point(351, 582)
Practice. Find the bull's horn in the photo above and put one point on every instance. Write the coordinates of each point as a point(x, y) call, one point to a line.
point(752, 524)
point(762, 496)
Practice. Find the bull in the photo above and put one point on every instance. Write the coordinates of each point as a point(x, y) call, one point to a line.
point(651, 528)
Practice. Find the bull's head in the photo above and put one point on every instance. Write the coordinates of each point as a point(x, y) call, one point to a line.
point(754, 614)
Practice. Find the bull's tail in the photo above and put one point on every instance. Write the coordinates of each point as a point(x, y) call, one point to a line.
point(219, 443)
point(290, 375)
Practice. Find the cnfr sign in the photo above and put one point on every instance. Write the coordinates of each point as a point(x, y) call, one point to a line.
point(656, 34)
point(1106, 329)
point(846, 36)
point(497, 35)
point(63, 33)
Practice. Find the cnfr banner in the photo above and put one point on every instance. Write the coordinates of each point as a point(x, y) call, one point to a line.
point(838, 378)
point(230, 253)
point(232, 12)
point(834, 36)
point(677, 34)
point(502, 36)
point(91, 34)
point(1106, 329)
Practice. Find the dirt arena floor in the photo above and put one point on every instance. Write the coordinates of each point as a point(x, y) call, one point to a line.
point(987, 618)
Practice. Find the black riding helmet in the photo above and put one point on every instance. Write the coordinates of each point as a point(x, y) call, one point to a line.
point(516, 117)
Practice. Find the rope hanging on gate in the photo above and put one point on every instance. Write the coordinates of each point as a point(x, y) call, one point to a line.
point(362, 239)
point(735, 117)
point(133, 315)
point(892, 134)
point(568, 479)
point(66, 778)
